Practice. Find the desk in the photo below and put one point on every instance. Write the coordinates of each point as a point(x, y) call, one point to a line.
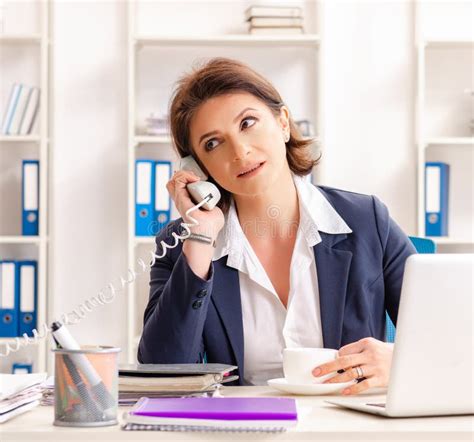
point(325, 422)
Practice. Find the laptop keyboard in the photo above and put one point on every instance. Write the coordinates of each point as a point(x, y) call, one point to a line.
point(381, 405)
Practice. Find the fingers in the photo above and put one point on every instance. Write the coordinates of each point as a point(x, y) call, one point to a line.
point(180, 179)
point(176, 187)
point(351, 374)
point(361, 386)
point(340, 363)
point(354, 347)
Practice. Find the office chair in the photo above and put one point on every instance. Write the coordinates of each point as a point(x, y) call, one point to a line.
point(422, 245)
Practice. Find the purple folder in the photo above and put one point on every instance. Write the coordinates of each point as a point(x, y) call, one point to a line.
point(230, 408)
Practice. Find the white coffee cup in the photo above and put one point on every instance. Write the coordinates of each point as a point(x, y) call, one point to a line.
point(299, 363)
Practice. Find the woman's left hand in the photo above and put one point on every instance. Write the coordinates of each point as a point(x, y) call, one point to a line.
point(373, 359)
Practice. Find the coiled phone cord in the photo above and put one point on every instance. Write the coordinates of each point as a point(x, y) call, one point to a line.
point(106, 295)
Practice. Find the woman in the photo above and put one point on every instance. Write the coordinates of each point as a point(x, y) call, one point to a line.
point(287, 263)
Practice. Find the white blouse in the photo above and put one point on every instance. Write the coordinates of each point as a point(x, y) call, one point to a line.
point(268, 326)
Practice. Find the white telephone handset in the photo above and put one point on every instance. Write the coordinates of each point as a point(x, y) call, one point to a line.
point(203, 189)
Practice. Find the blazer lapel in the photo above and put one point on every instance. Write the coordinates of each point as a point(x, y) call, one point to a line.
point(333, 273)
point(226, 298)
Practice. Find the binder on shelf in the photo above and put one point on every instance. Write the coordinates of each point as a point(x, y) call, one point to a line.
point(10, 109)
point(27, 296)
point(162, 206)
point(30, 197)
point(8, 300)
point(436, 198)
point(31, 112)
point(18, 368)
point(17, 118)
point(144, 197)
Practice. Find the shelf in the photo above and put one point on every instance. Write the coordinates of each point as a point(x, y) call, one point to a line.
point(152, 139)
point(445, 240)
point(5, 341)
point(442, 44)
point(310, 40)
point(19, 138)
point(139, 240)
point(458, 141)
point(11, 239)
point(20, 38)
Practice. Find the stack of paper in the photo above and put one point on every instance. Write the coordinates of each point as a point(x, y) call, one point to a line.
point(170, 380)
point(47, 389)
point(213, 414)
point(19, 393)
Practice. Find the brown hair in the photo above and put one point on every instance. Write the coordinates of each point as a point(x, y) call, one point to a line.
point(221, 76)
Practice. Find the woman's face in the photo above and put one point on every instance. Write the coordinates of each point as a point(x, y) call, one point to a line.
point(232, 134)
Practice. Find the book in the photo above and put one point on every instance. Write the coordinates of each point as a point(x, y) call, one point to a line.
point(10, 108)
point(160, 370)
point(181, 382)
point(265, 22)
point(276, 31)
point(31, 112)
point(272, 11)
point(208, 429)
point(19, 113)
point(213, 414)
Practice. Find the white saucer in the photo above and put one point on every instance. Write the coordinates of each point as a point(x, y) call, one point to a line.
point(308, 389)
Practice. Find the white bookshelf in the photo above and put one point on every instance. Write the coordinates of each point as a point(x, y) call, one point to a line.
point(310, 40)
point(32, 247)
point(21, 39)
point(432, 113)
point(196, 44)
point(12, 239)
point(5, 139)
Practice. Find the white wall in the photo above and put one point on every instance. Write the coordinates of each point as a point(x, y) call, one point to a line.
point(89, 184)
point(368, 133)
point(368, 82)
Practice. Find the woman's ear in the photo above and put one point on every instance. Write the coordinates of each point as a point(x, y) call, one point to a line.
point(284, 120)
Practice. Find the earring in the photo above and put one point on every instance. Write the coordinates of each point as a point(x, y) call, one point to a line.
point(287, 138)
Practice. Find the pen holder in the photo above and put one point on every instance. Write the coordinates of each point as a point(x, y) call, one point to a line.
point(86, 387)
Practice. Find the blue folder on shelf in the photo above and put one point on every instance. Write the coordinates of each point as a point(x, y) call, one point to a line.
point(19, 368)
point(27, 295)
point(8, 300)
point(30, 197)
point(144, 197)
point(162, 206)
point(436, 198)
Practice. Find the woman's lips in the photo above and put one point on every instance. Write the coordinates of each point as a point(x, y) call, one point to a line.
point(253, 171)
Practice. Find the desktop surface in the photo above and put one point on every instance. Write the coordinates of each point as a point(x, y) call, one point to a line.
point(318, 421)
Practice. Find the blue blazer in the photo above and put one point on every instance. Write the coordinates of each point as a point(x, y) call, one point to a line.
point(359, 276)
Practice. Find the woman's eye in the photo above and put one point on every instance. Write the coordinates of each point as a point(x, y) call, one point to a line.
point(252, 119)
point(209, 145)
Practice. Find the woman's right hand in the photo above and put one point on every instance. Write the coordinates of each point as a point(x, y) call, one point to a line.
point(210, 221)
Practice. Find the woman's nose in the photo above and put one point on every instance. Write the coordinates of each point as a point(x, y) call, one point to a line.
point(240, 149)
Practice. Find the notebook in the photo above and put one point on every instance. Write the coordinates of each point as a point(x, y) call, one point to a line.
point(212, 414)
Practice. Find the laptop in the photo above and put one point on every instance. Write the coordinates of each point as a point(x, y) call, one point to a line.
point(432, 367)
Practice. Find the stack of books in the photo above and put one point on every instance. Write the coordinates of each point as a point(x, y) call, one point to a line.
point(274, 20)
point(170, 380)
point(232, 414)
point(21, 110)
point(19, 393)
